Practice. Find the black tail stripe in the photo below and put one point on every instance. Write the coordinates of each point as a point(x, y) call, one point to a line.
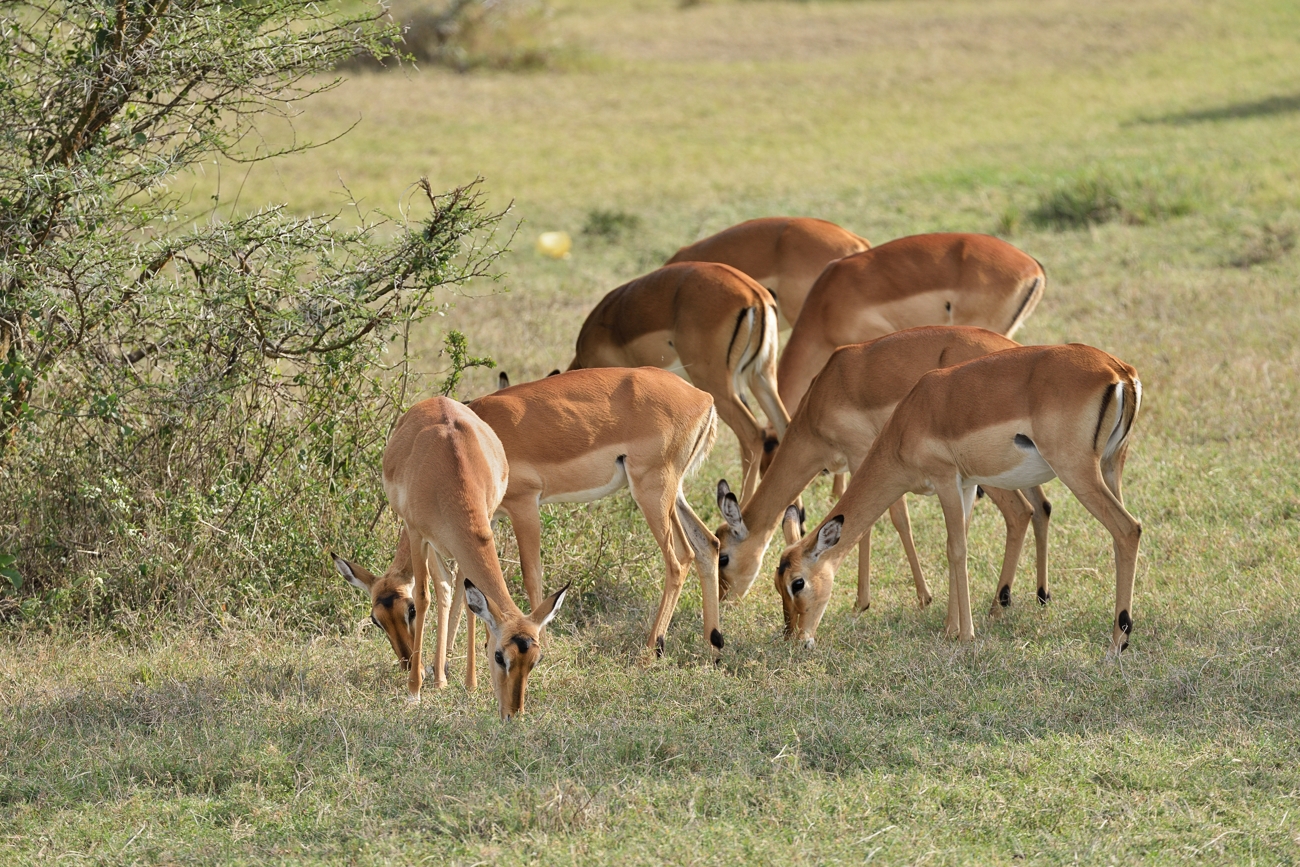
point(1105, 404)
point(1033, 288)
point(736, 333)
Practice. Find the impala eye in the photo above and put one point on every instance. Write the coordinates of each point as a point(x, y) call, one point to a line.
point(796, 585)
point(410, 614)
point(501, 660)
point(723, 560)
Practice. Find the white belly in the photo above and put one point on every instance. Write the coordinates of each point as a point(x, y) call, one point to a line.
point(586, 496)
point(1032, 470)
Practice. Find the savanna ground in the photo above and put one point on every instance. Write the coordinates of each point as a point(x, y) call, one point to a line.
point(255, 741)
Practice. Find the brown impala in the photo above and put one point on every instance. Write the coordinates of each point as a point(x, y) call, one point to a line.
point(580, 436)
point(838, 420)
point(445, 474)
point(939, 279)
point(707, 322)
point(1012, 420)
point(785, 254)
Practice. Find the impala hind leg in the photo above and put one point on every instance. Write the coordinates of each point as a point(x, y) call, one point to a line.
point(839, 484)
point(1018, 513)
point(458, 603)
point(1091, 489)
point(903, 525)
point(1041, 520)
point(655, 499)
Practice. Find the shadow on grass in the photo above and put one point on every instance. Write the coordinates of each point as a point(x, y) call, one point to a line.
point(1273, 105)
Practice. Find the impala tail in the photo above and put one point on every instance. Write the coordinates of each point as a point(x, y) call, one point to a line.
point(1119, 407)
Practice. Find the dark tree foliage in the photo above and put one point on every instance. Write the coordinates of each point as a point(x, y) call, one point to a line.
point(188, 411)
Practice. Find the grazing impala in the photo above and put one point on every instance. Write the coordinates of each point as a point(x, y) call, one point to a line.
point(581, 436)
point(704, 321)
point(445, 474)
point(940, 279)
point(785, 254)
point(1013, 419)
point(838, 420)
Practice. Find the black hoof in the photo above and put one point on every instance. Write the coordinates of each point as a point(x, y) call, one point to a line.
point(659, 647)
point(1043, 596)
point(1004, 596)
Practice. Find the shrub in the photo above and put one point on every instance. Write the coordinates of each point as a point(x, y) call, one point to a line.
point(1102, 196)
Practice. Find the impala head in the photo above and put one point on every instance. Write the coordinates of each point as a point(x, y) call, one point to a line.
point(391, 607)
point(805, 575)
point(740, 556)
point(513, 647)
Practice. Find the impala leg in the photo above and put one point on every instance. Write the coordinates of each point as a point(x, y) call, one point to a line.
point(738, 417)
point(1041, 520)
point(420, 566)
point(1017, 512)
point(863, 602)
point(1091, 489)
point(903, 524)
point(457, 603)
point(704, 545)
point(1113, 470)
point(444, 582)
point(526, 518)
point(656, 504)
point(953, 499)
point(838, 485)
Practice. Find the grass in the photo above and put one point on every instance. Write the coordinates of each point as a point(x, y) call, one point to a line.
point(262, 741)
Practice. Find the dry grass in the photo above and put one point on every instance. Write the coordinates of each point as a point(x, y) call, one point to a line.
point(260, 742)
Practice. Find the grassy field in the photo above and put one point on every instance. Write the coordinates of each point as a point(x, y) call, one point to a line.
point(259, 742)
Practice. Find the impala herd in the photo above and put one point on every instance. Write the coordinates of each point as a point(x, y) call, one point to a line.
point(899, 369)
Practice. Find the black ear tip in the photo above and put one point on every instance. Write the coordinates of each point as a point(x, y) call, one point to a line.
point(469, 585)
point(839, 519)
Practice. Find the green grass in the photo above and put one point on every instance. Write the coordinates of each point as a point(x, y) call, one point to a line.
point(259, 740)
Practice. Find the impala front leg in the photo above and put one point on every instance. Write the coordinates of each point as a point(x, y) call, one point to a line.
point(953, 500)
point(705, 547)
point(903, 524)
point(420, 552)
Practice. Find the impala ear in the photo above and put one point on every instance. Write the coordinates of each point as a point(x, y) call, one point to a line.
point(356, 576)
point(503, 381)
point(792, 525)
point(730, 508)
point(550, 606)
point(828, 537)
point(485, 608)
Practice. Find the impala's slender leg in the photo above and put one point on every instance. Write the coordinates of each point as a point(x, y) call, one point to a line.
point(838, 485)
point(457, 603)
point(526, 518)
point(444, 582)
point(863, 602)
point(1042, 518)
point(471, 663)
point(953, 499)
point(420, 551)
point(903, 524)
point(704, 544)
point(1089, 486)
point(1018, 513)
point(655, 499)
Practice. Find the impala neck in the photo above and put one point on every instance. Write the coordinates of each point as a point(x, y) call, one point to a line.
point(476, 557)
point(873, 488)
point(800, 457)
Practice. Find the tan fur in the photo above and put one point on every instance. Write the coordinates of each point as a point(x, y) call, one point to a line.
point(957, 428)
point(445, 474)
point(833, 429)
point(581, 435)
point(784, 254)
point(938, 279)
point(707, 321)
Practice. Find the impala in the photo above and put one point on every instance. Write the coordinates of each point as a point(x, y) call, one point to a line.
point(940, 279)
point(785, 254)
point(445, 474)
point(1013, 419)
point(580, 436)
point(840, 416)
point(706, 322)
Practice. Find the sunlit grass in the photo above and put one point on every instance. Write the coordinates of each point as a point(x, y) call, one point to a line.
point(260, 742)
